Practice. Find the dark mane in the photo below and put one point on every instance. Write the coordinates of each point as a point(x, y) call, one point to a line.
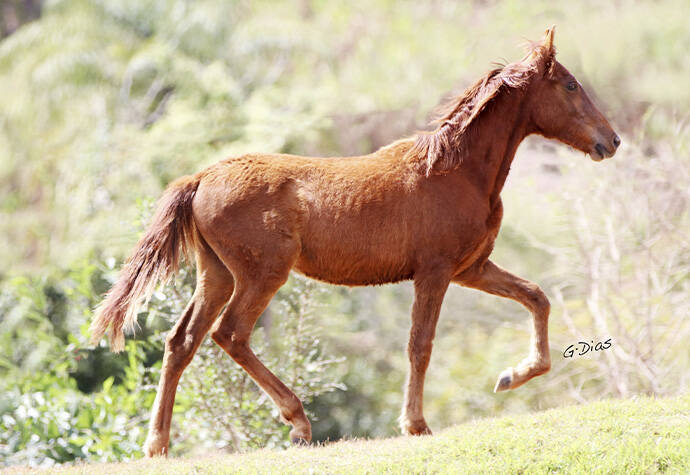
point(445, 148)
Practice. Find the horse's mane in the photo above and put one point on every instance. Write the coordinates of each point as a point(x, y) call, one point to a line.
point(445, 148)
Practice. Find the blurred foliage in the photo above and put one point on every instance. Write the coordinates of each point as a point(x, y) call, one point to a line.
point(47, 371)
point(104, 102)
point(47, 420)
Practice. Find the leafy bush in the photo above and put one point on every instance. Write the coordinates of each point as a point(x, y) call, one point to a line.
point(48, 412)
point(45, 419)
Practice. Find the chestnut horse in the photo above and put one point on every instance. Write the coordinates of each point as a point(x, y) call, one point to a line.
point(427, 208)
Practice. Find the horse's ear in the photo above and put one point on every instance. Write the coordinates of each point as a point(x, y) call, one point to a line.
point(543, 54)
point(547, 43)
point(549, 51)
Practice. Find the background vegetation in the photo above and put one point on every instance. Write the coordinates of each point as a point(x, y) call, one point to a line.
point(102, 103)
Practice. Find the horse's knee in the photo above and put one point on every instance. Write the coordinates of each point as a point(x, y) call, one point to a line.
point(421, 340)
point(419, 353)
point(537, 300)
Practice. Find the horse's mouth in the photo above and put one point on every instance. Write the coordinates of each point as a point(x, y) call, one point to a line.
point(600, 152)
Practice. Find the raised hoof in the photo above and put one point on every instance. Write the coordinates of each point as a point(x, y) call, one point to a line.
point(505, 379)
point(299, 441)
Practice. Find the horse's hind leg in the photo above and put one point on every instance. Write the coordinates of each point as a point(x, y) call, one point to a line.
point(494, 280)
point(213, 289)
point(253, 292)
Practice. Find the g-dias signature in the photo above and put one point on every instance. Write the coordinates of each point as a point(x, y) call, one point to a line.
point(583, 348)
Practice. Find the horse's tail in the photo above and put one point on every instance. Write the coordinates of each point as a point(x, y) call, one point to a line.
point(155, 257)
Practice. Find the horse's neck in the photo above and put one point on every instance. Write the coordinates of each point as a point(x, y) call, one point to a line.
point(503, 127)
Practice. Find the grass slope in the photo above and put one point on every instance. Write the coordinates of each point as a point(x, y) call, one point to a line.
point(642, 435)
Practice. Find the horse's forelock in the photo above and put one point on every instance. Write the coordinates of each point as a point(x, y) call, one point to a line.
point(541, 56)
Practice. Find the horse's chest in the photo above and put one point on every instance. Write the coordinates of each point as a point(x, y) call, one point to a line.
point(478, 244)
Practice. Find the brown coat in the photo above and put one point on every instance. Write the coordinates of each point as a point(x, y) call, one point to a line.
point(426, 208)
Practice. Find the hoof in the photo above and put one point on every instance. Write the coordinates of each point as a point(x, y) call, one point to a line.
point(422, 431)
point(299, 441)
point(155, 448)
point(416, 428)
point(505, 379)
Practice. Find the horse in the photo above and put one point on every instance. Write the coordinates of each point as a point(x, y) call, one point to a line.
point(425, 208)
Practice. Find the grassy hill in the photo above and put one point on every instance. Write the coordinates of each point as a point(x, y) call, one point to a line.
point(641, 435)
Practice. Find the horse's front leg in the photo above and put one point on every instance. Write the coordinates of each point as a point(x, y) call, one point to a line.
point(429, 287)
point(492, 279)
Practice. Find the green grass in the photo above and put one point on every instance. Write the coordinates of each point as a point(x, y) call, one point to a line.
point(642, 435)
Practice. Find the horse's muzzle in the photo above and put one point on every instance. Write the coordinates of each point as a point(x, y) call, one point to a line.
point(602, 151)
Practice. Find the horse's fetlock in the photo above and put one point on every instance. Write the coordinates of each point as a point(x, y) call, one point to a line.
point(538, 301)
point(541, 367)
point(292, 409)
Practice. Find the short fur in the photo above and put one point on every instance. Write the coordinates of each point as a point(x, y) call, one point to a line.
point(426, 208)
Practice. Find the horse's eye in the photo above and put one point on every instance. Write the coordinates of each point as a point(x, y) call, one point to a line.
point(572, 85)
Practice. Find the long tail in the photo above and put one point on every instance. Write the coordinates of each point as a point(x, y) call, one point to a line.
point(155, 257)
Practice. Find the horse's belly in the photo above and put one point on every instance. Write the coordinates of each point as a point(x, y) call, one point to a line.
point(341, 266)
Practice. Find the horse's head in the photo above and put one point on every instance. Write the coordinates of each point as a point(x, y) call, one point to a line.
point(561, 109)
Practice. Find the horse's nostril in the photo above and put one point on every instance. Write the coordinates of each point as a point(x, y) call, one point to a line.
point(616, 141)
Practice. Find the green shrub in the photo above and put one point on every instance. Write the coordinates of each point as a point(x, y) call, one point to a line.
point(45, 419)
